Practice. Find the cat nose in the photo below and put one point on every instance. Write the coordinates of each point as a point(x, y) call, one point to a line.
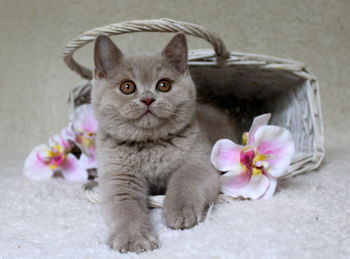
point(148, 101)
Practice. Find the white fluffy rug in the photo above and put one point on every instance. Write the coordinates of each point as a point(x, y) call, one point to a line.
point(309, 217)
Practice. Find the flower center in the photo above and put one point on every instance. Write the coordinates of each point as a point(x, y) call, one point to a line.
point(86, 140)
point(57, 155)
point(54, 156)
point(252, 161)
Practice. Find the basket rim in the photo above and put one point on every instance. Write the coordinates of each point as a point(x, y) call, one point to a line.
point(206, 57)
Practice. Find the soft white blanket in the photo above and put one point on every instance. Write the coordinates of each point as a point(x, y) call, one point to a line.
point(309, 217)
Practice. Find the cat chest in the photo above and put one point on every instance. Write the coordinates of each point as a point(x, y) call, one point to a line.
point(155, 161)
point(160, 161)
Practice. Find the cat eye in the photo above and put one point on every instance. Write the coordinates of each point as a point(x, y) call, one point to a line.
point(127, 87)
point(163, 85)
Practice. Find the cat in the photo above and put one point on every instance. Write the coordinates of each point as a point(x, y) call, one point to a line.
point(151, 140)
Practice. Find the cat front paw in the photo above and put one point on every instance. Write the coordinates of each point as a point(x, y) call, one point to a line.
point(137, 242)
point(182, 216)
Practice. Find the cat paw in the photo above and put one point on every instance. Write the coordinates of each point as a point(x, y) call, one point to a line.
point(137, 242)
point(182, 217)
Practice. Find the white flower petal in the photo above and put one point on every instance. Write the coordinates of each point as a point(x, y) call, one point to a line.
point(71, 169)
point(34, 168)
point(225, 155)
point(277, 143)
point(254, 189)
point(83, 119)
point(87, 162)
point(258, 122)
point(67, 133)
point(271, 189)
point(228, 177)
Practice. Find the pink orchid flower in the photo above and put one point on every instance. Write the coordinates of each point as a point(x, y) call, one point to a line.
point(253, 169)
point(85, 127)
point(45, 160)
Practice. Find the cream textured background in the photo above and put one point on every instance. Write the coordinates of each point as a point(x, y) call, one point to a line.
point(34, 82)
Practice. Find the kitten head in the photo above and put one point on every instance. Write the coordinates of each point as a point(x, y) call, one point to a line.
point(141, 97)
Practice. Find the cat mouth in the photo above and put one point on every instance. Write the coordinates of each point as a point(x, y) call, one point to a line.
point(147, 120)
point(148, 112)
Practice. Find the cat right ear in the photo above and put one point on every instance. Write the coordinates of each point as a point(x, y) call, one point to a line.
point(176, 52)
point(106, 56)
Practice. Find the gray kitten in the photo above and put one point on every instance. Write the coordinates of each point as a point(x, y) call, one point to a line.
point(150, 142)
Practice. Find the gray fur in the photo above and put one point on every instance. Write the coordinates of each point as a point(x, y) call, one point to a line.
point(142, 155)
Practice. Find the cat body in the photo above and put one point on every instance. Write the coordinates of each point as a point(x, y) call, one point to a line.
point(149, 142)
point(154, 160)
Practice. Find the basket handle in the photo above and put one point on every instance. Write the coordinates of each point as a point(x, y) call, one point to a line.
point(154, 25)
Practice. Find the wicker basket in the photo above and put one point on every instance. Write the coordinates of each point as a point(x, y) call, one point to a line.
point(245, 84)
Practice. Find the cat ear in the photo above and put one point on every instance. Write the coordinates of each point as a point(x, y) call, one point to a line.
point(106, 55)
point(176, 52)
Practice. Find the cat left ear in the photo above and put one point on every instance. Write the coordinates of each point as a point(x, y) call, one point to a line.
point(106, 55)
point(176, 52)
